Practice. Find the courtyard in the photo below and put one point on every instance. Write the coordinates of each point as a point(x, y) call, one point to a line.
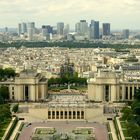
point(66, 128)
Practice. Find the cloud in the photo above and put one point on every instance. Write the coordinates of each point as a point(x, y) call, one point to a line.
point(118, 12)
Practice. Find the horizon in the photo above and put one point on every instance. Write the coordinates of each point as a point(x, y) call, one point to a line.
point(122, 16)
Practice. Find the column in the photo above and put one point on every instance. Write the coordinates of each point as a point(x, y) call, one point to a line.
point(113, 93)
point(68, 113)
point(123, 92)
point(51, 114)
point(59, 113)
point(72, 114)
point(42, 92)
point(55, 112)
point(32, 92)
point(36, 92)
point(19, 92)
point(63, 114)
point(110, 92)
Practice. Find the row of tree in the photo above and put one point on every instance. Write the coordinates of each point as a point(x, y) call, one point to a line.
point(4, 94)
point(64, 81)
point(4, 112)
point(132, 115)
point(69, 44)
point(7, 73)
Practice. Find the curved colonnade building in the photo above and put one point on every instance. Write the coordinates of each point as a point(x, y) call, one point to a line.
point(106, 87)
point(109, 86)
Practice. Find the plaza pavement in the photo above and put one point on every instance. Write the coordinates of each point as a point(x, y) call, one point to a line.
point(65, 126)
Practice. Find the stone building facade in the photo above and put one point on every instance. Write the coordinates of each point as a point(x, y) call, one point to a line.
point(28, 86)
point(109, 86)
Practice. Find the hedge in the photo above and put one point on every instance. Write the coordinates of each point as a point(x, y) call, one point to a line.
point(16, 136)
point(7, 137)
point(108, 127)
point(21, 126)
point(117, 129)
point(110, 136)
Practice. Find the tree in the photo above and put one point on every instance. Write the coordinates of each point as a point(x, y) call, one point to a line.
point(4, 92)
point(9, 72)
point(134, 131)
point(126, 113)
point(137, 94)
point(1, 100)
point(15, 108)
point(4, 112)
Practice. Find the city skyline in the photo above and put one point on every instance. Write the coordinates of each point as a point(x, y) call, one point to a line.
point(124, 15)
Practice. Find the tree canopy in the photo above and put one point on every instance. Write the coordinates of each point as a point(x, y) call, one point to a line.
point(4, 112)
point(4, 94)
point(132, 116)
point(68, 44)
point(7, 73)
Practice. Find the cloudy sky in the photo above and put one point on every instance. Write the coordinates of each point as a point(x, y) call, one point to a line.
point(120, 13)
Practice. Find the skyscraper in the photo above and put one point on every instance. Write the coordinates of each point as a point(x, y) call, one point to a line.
point(106, 29)
point(19, 29)
point(6, 29)
point(31, 25)
point(60, 28)
point(94, 29)
point(30, 34)
point(47, 30)
point(23, 28)
point(66, 29)
point(77, 27)
point(81, 27)
point(126, 33)
point(44, 31)
point(31, 30)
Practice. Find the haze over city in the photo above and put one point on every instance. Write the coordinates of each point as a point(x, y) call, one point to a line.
point(120, 13)
point(69, 70)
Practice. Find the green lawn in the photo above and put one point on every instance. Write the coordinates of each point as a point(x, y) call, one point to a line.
point(125, 132)
point(128, 139)
point(3, 127)
point(123, 124)
point(81, 88)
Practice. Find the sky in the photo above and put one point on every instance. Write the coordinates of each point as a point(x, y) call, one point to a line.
point(120, 13)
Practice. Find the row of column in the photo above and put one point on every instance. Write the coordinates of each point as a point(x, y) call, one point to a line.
point(35, 92)
point(128, 91)
point(67, 114)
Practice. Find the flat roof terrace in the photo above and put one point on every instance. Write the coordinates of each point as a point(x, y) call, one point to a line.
point(100, 130)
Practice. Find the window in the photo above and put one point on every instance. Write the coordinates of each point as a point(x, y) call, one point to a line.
point(82, 114)
point(53, 114)
point(49, 114)
point(78, 114)
point(12, 88)
point(69, 114)
point(65, 114)
point(107, 93)
point(61, 114)
point(13, 97)
point(126, 93)
point(74, 115)
point(131, 93)
point(120, 94)
point(57, 114)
